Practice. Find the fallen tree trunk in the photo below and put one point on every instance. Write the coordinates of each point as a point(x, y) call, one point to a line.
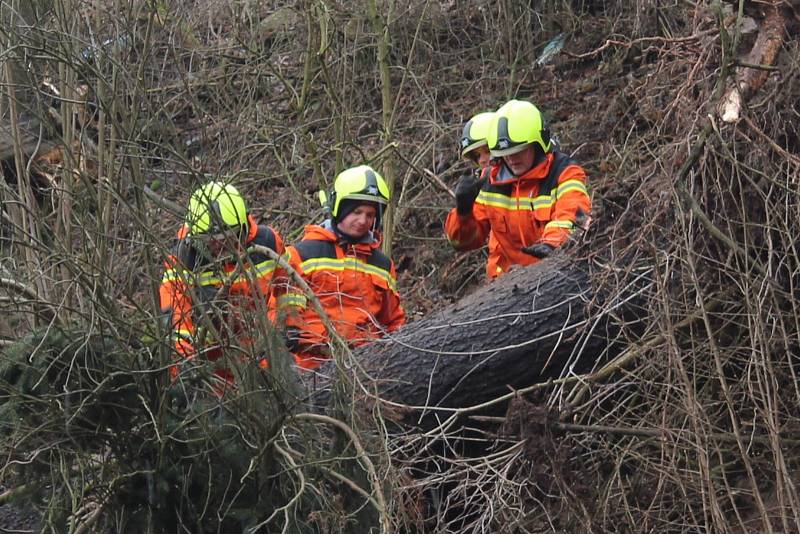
point(529, 326)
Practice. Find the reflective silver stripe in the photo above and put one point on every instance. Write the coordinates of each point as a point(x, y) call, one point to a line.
point(265, 267)
point(335, 264)
point(571, 185)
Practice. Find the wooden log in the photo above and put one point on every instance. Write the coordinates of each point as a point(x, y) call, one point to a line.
point(524, 328)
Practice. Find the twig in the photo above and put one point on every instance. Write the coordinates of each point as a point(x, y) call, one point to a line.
point(428, 173)
point(373, 474)
point(9, 494)
point(780, 150)
point(438, 181)
point(629, 44)
point(627, 357)
point(165, 203)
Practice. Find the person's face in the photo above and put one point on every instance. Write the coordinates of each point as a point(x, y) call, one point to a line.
point(521, 162)
point(359, 221)
point(221, 244)
point(480, 156)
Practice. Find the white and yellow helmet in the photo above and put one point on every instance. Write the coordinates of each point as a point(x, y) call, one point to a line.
point(358, 183)
point(215, 207)
point(515, 126)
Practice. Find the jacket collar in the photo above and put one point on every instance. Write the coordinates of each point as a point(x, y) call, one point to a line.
point(327, 232)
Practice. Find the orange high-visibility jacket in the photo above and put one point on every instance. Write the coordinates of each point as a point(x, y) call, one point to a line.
point(356, 285)
point(193, 284)
point(513, 212)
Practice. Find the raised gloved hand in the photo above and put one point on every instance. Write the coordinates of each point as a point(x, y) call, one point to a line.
point(467, 190)
point(539, 250)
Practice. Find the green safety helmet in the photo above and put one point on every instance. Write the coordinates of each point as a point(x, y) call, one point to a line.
point(475, 131)
point(357, 183)
point(215, 207)
point(516, 125)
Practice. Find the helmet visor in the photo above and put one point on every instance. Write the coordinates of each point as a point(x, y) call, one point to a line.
point(500, 152)
point(472, 146)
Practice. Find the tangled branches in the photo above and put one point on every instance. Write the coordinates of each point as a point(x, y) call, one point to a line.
point(692, 422)
point(694, 425)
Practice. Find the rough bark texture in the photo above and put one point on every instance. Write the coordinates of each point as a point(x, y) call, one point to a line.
point(523, 328)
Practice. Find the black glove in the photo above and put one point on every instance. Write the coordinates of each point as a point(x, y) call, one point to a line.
point(467, 190)
point(539, 250)
point(291, 339)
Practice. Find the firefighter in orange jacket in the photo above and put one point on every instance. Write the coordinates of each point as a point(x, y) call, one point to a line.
point(342, 263)
point(528, 202)
point(216, 285)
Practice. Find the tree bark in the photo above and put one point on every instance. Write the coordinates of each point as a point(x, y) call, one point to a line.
point(524, 328)
point(756, 68)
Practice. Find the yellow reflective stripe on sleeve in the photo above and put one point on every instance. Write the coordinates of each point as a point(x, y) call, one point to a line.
point(571, 185)
point(210, 278)
point(170, 275)
point(292, 299)
point(182, 334)
point(559, 224)
point(316, 264)
point(265, 267)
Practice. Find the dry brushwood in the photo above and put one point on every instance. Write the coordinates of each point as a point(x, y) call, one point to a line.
point(681, 304)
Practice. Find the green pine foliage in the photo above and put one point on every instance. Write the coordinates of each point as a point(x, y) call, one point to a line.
point(88, 427)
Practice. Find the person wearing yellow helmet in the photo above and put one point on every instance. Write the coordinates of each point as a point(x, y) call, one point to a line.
point(217, 271)
point(342, 263)
point(473, 144)
point(532, 200)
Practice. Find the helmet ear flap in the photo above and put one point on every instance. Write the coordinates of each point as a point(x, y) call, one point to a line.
point(332, 202)
point(545, 137)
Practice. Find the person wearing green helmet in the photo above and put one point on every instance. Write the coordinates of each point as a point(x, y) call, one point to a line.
point(342, 263)
point(216, 280)
point(530, 203)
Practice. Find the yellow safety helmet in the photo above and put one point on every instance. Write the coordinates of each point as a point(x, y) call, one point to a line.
point(475, 131)
point(358, 183)
point(215, 207)
point(516, 125)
